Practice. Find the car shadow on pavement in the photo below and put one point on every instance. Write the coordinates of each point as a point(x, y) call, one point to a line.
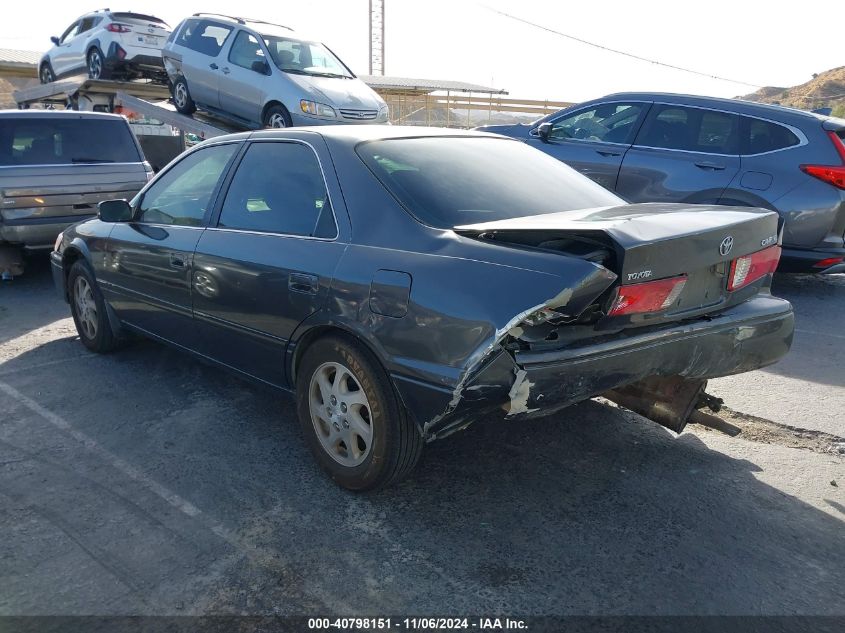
point(29, 302)
point(174, 487)
point(818, 300)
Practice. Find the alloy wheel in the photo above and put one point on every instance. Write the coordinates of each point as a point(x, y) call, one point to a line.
point(46, 75)
point(341, 414)
point(95, 64)
point(86, 307)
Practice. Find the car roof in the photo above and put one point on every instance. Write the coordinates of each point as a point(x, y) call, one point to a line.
point(66, 114)
point(354, 134)
point(259, 26)
point(735, 105)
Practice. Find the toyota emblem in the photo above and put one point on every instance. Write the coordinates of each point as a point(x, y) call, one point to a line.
point(726, 246)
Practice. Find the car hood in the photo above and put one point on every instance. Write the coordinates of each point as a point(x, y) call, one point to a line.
point(516, 130)
point(339, 93)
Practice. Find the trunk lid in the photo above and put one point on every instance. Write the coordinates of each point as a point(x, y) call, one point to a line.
point(652, 241)
point(62, 190)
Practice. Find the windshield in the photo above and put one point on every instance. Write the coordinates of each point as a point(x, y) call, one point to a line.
point(306, 58)
point(57, 140)
point(452, 181)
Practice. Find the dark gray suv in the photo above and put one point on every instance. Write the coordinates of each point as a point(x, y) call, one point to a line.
point(651, 147)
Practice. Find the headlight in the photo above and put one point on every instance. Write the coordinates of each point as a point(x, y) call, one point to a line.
point(58, 242)
point(317, 109)
point(384, 113)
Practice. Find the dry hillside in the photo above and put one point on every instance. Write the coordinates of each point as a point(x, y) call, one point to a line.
point(825, 89)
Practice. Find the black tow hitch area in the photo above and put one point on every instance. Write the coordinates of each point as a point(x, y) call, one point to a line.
point(672, 401)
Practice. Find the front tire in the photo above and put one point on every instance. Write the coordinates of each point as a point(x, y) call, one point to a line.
point(182, 97)
point(277, 116)
point(45, 74)
point(351, 418)
point(89, 310)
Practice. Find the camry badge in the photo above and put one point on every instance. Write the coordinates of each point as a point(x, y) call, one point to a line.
point(726, 246)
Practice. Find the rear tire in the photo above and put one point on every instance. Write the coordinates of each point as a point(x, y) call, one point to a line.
point(96, 64)
point(357, 429)
point(277, 116)
point(182, 97)
point(89, 310)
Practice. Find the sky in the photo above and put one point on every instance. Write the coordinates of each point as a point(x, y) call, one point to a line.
point(760, 43)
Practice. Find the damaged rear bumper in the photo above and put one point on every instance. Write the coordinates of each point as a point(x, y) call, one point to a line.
point(749, 336)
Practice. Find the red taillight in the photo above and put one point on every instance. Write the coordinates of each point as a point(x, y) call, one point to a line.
point(827, 263)
point(831, 174)
point(749, 268)
point(114, 27)
point(651, 296)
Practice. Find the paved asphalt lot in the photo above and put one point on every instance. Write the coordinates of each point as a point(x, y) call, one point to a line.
point(145, 482)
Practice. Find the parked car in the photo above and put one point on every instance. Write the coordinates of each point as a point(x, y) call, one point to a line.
point(403, 282)
point(263, 75)
point(55, 166)
point(107, 44)
point(651, 147)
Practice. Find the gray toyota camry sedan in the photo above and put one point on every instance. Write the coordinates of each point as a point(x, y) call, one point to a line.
point(405, 282)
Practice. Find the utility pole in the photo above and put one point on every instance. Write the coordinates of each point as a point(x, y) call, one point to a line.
point(377, 37)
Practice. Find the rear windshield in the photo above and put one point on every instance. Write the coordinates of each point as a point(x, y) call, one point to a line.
point(452, 181)
point(60, 140)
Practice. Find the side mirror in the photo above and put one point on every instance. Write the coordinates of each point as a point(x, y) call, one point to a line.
point(114, 211)
point(55, 40)
point(261, 67)
point(544, 130)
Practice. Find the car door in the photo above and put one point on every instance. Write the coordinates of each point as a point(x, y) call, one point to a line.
point(268, 263)
point(594, 139)
point(148, 261)
point(203, 41)
point(681, 154)
point(244, 77)
point(64, 59)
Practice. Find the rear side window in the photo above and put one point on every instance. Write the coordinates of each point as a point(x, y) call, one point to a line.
point(63, 140)
point(203, 36)
point(760, 136)
point(690, 129)
point(182, 195)
point(279, 188)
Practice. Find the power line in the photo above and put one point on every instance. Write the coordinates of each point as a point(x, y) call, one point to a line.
point(616, 51)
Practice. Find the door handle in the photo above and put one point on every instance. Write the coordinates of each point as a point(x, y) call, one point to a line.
point(605, 152)
point(213, 66)
point(300, 282)
point(177, 260)
point(226, 70)
point(710, 166)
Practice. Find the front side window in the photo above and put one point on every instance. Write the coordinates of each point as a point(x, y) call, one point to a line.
point(246, 50)
point(608, 122)
point(760, 136)
point(203, 36)
point(279, 188)
point(304, 58)
point(60, 140)
point(182, 195)
point(452, 181)
point(71, 32)
point(690, 129)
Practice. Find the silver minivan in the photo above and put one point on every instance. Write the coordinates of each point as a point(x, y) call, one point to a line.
point(263, 75)
point(55, 166)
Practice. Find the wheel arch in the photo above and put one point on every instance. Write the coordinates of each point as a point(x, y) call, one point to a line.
point(270, 104)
